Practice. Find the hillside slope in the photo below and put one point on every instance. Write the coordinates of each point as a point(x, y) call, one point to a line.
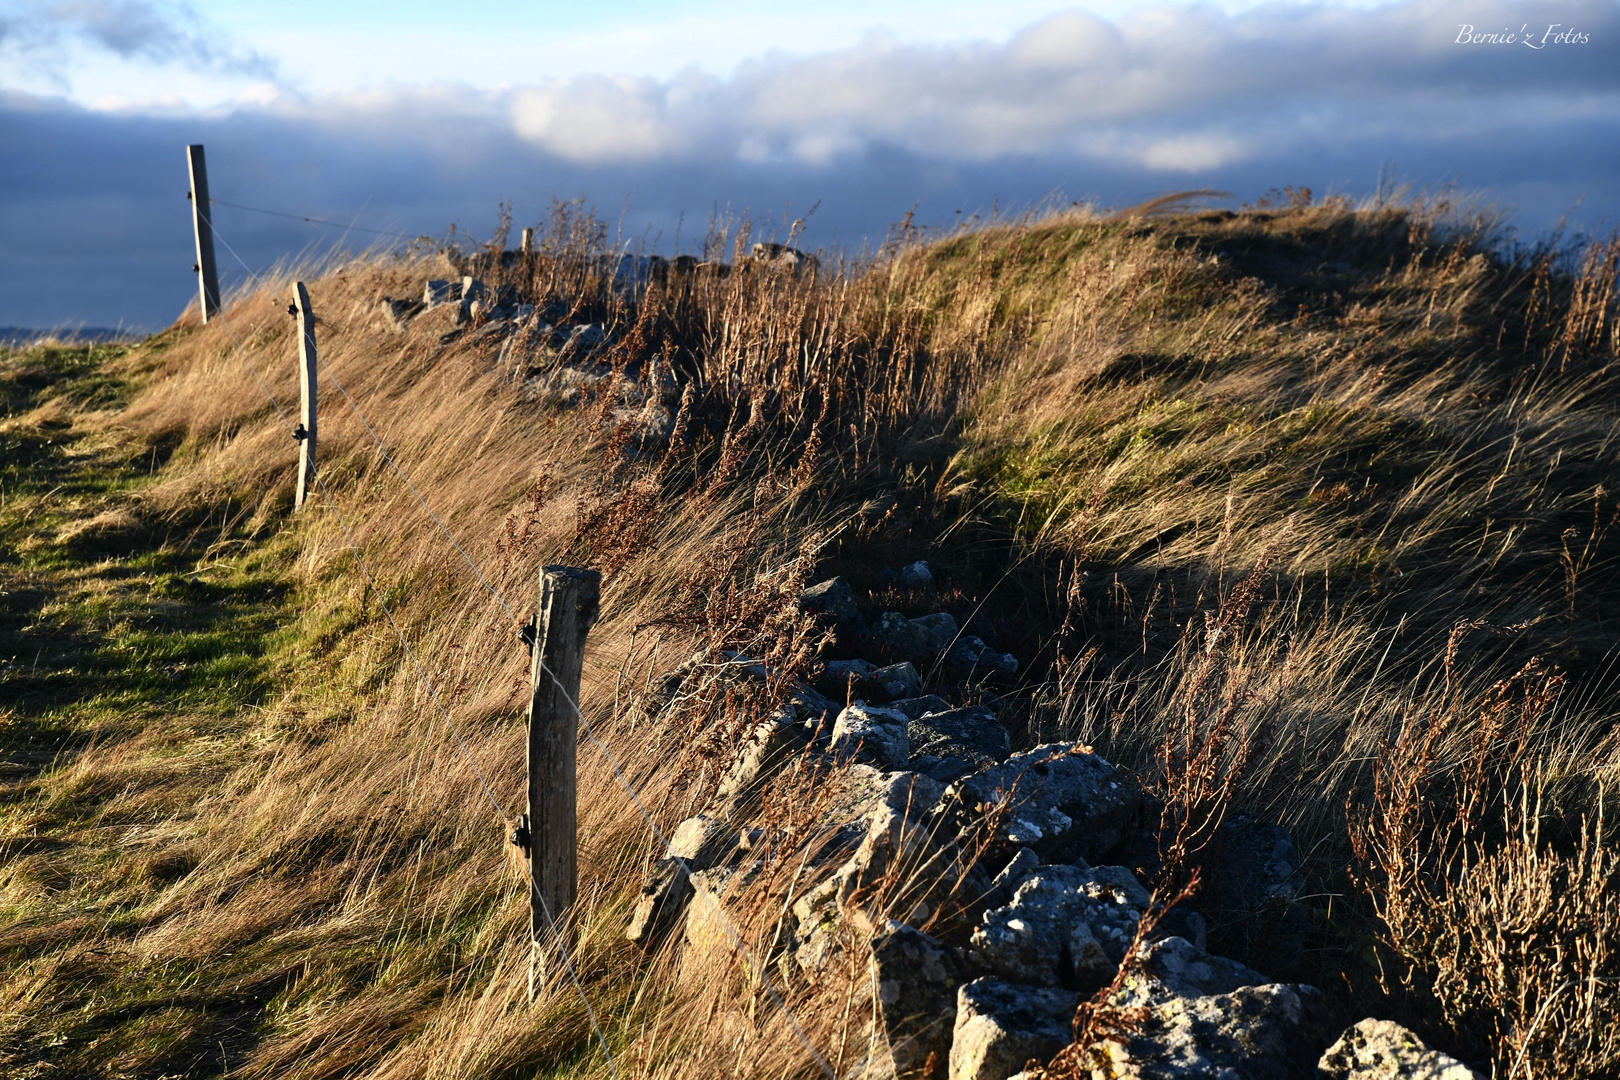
point(1299, 513)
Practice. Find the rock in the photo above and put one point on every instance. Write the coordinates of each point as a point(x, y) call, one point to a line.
point(903, 860)
point(397, 314)
point(899, 636)
point(917, 576)
point(941, 628)
point(1175, 967)
point(771, 743)
point(872, 734)
point(1271, 1032)
point(440, 292)
point(836, 600)
point(970, 655)
point(782, 255)
point(1065, 926)
point(916, 978)
point(842, 680)
point(897, 681)
point(1003, 885)
point(972, 734)
point(1000, 1026)
point(702, 842)
point(812, 708)
point(663, 902)
point(918, 707)
point(709, 933)
point(1384, 1050)
point(1062, 799)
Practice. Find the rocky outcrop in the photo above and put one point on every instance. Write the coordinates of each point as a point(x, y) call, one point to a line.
point(874, 735)
point(1384, 1050)
point(1271, 1032)
point(1061, 800)
point(916, 978)
point(1000, 1026)
point(1064, 926)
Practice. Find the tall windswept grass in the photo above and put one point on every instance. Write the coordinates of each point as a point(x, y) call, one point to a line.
point(1242, 470)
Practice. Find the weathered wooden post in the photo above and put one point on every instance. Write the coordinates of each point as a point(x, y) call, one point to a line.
point(202, 220)
point(568, 605)
point(527, 247)
point(307, 427)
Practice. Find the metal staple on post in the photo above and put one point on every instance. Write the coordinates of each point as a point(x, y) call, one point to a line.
point(203, 225)
point(568, 605)
point(307, 427)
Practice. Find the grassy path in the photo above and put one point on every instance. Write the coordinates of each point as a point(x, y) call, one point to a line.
point(150, 638)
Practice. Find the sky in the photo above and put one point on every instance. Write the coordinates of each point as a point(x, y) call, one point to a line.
point(409, 117)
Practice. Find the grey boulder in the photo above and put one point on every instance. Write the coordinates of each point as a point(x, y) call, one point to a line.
point(834, 599)
point(1271, 1032)
point(1000, 1026)
point(1384, 1050)
point(1065, 926)
point(1060, 799)
point(916, 978)
point(872, 734)
point(662, 904)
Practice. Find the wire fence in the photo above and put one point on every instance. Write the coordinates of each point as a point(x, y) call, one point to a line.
point(756, 974)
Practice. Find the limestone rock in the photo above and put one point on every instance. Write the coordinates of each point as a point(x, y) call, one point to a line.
point(916, 978)
point(1271, 1032)
point(1251, 893)
point(1175, 967)
point(836, 600)
point(1384, 1050)
point(1061, 799)
point(918, 707)
point(972, 734)
point(941, 628)
point(872, 734)
point(842, 680)
point(970, 655)
point(917, 576)
point(662, 904)
point(771, 744)
point(1000, 1026)
point(897, 681)
point(1024, 863)
point(907, 639)
point(702, 842)
point(1065, 926)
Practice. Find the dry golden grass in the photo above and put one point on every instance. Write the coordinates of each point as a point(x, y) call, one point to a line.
point(1093, 427)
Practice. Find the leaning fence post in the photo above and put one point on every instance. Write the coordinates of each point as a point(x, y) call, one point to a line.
point(568, 604)
point(527, 247)
point(307, 359)
point(202, 222)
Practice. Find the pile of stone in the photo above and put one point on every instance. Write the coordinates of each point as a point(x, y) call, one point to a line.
point(935, 811)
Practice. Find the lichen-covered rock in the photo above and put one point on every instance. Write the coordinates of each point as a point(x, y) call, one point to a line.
point(973, 735)
point(1175, 967)
point(1000, 1026)
point(836, 600)
point(941, 628)
point(1065, 926)
point(917, 707)
point(702, 842)
point(1271, 1032)
point(970, 656)
point(895, 682)
point(918, 575)
point(841, 680)
point(907, 639)
point(662, 904)
point(872, 734)
point(1060, 799)
point(916, 978)
point(1384, 1050)
point(771, 744)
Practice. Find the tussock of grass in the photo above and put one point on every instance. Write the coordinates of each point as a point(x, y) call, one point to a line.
point(238, 837)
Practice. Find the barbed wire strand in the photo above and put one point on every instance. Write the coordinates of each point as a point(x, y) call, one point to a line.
point(433, 693)
point(590, 732)
point(310, 220)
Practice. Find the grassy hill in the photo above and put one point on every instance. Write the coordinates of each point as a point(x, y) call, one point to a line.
point(1303, 512)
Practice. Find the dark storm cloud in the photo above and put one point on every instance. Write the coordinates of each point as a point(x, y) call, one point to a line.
point(94, 225)
point(36, 32)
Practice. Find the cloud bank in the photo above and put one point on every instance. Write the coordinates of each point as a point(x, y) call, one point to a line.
point(1112, 111)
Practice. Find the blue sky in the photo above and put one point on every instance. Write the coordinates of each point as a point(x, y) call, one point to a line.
point(413, 116)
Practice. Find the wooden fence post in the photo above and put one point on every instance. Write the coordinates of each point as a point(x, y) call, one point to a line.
point(307, 427)
point(568, 604)
point(202, 221)
point(527, 247)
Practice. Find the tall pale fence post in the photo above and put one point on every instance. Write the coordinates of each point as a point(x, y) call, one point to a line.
point(527, 246)
point(202, 221)
point(568, 604)
point(307, 426)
